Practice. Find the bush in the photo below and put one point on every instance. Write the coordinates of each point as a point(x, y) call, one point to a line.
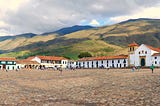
point(84, 54)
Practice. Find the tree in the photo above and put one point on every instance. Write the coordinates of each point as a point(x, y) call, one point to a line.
point(84, 54)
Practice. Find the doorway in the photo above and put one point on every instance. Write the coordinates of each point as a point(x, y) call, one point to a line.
point(143, 62)
point(4, 67)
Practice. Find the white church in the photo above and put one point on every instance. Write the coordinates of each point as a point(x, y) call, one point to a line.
point(142, 55)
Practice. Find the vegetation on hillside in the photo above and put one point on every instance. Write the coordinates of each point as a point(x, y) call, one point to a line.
point(84, 54)
point(107, 40)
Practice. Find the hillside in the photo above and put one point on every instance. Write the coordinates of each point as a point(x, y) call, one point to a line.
point(107, 40)
point(69, 30)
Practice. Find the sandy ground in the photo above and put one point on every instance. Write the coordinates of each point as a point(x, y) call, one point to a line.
point(83, 87)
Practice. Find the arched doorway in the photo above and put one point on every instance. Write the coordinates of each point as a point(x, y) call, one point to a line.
point(143, 62)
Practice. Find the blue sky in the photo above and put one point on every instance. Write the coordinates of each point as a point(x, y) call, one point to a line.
point(38, 16)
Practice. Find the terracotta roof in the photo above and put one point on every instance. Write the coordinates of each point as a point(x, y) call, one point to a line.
point(104, 58)
point(133, 44)
point(7, 59)
point(153, 48)
point(26, 62)
point(51, 58)
point(156, 54)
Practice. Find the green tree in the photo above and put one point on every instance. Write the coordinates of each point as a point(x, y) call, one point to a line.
point(84, 54)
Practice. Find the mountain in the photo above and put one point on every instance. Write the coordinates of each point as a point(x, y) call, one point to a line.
point(27, 35)
point(68, 30)
point(139, 19)
point(106, 40)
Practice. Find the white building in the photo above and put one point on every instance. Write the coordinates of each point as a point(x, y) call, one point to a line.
point(7, 63)
point(26, 64)
point(71, 64)
point(120, 61)
point(50, 61)
point(143, 55)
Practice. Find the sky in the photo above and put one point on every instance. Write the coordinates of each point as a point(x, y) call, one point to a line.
point(39, 16)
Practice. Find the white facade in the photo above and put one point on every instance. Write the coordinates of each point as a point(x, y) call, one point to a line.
point(142, 56)
point(156, 60)
point(8, 65)
point(112, 63)
point(50, 62)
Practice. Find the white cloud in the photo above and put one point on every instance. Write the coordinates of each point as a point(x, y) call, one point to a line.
point(151, 12)
point(38, 16)
point(94, 23)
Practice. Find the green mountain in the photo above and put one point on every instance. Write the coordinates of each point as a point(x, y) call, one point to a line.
point(106, 40)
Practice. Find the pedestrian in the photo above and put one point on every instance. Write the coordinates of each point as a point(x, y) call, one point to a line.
point(133, 69)
point(60, 69)
point(152, 68)
point(138, 68)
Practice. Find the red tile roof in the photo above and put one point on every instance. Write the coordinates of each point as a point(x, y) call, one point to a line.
point(26, 62)
point(51, 58)
point(7, 59)
point(153, 48)
point(104, 58)
point(133, 44)
point(156, 54)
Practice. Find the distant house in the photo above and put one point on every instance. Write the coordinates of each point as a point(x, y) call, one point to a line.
point(26, 64)
point(7, 63)
point(50, 61)
point(103, 62)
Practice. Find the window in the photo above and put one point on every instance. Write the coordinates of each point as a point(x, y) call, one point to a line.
point(155, 62)
point(9, 62)
point(145, 52)
point(3, 62)
point(118, 61)
point(155, 57)
point(124, 61)
point(139, 52)
point(112, 61)
point(107, 61)
point(102, 62)
point(117, 65)
point(142, 51)
point(88, 64)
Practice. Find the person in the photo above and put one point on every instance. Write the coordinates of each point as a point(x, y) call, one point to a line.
point(60, 69)
point(133, 68)
point(138, 68)
point(152, 68)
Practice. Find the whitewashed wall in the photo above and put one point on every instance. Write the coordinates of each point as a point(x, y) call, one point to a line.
point(116, 63)
point(148, 55)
